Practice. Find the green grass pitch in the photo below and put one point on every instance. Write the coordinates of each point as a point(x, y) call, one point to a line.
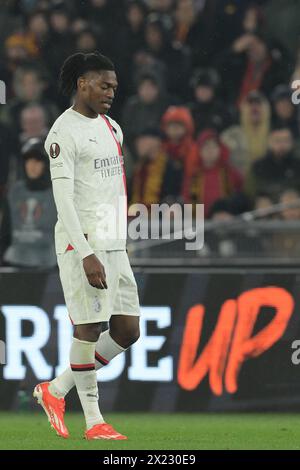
point(158, 432)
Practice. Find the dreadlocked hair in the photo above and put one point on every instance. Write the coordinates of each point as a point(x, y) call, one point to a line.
point(77, 65)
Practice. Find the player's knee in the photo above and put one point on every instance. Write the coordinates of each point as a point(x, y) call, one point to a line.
point(90, 332)
point(135, 334)
point(126, 336)
point(130, 336)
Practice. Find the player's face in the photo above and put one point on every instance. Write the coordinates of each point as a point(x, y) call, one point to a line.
point(99, 90)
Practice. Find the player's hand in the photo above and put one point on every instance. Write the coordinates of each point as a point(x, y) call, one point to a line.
point(95, 272)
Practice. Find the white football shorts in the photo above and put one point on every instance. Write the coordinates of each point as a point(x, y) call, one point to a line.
point(87, 304)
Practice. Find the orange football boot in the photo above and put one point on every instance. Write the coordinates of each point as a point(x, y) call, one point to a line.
point(103, 431)
point(53, 407)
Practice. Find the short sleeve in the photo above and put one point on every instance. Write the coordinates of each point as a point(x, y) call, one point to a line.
point(61, 149)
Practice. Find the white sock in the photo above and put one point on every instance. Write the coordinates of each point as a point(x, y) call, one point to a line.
point(82, 361)
point(106, 350)
point(62, 384)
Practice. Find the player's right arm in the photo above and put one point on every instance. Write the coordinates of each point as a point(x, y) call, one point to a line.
point(62, 151)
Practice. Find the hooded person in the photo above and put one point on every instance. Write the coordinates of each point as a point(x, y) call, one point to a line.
point(178, 128)
point(207, 109)
point(284, 112)
point(213, 177)
point(32, 212)
point(36, 165)
point(248, 140)
point(179, 146)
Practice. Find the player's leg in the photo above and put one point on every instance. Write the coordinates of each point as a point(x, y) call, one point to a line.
point(82, 374)
point(107, 346)
point(106, 350)
point(82, 358)
point(82, 362)
point(122, 333)
point(124, 330)
point(87, 308)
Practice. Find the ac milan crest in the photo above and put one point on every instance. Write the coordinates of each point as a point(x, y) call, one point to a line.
point(54, 150)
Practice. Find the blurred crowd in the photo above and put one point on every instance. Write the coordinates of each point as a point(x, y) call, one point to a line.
point(204, 101)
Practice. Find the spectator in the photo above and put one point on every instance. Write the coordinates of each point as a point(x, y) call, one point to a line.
point(207, 110)
point(103, 17)
point(16, 53)
point(287, 243)
point(144, 63)
point(263, 202)
point(33, 123)
point(213, 177)
point(100, 11)
point(223, 240)
point(149, 174)
point(79, 25)
point(179, 146)
point(277, 169)
point(158, 41)
point(130, 33)
point(283, 22)
point(8, 21)
point(248, 140)
point(220, 240)
point(218, 24)
point(146, 108)
point(253, 21)
point(198, 30)
point(29, 87)
point(252, 64)
point(221, 211)
point(185, 19)
point(38, 29)
point(86, 41)
point(290, 197)
point(60, 42)
point(284, 112)
point(158, 176)
point(33, 212)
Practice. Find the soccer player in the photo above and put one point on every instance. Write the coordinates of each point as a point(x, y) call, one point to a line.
point(85, 151)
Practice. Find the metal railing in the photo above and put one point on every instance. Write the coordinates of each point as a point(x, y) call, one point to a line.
point(251, 238)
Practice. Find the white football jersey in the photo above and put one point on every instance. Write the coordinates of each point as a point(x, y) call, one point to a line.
point(88, 151)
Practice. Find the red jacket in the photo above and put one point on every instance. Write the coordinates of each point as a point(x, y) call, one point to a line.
point(206, 185)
